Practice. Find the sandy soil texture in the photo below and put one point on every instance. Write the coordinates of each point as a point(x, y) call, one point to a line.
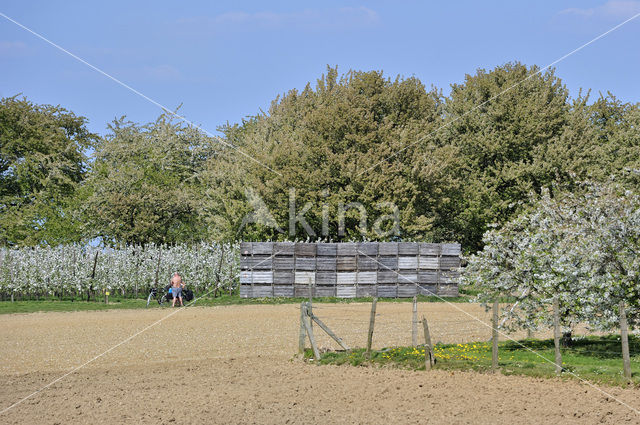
point(236, 364)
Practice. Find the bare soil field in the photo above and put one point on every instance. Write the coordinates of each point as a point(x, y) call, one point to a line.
point(236, 365)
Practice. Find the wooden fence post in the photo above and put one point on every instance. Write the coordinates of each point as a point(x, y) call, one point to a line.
point(372, 320)
point(624, 336)
point(429, 358)
point(414, 322)
point(556, 334)
point(312, 340)
point(494, 336)
point(303, 333)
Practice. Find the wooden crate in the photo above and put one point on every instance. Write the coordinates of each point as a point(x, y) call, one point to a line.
point(388, 248)
point(260, 262)
point(405, 291)
point(303, 278)
point(367, 278)
point(428, 263)
point(432, 249)
point(262, 291)
point(301, 290)
point(406, 277)
point(429, 290)
point(326, 263)
point(428, 277)
point(407, 263)
point(346, 263)
point(387, 263)
point(347, 248)
point(449, 262)
point(245, 291)
point(387, 277)
point(408, 248)
point(369, 249)
point(366, 263)
point(283, 263)
point(262, 248)
point(244, 262)
point(387, 291)
point(304, 249)
point(262, 277)
point(452, 249)
point(326, 278)
point(283, 291)
point(284, 248)
point(366, 291)
point(245, 248)
point(305, 263)
point(345, 291)
point(245, 277)
point(346, 278)
point(324, 291)
point(327, 249)
point(283, 277)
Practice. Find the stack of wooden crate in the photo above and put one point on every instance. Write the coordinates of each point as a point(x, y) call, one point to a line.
point(348, 270)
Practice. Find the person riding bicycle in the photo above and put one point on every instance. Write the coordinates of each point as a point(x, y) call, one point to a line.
point(177, 285)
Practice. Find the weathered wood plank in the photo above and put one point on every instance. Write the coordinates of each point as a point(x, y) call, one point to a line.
point(451, 249)
point(283, 263)
point(449, 262)
point(408, 248)
point(283, 290)
point(366, 291)
point(432, 249)
point(262, 248)
point(428, 277)
point(407, 291)
point(367, 263)
point(262, 277)
point(346, 264)
point(387, 277)
point(285, 277)
point(324, 291)
point(347, 248)
point(305, 249)
point(369, 278)
point(429, 263)
point(305, 263)
point(326, 263)
point(387, 263)
point(368, 249)
point(388, 248)
point(303, 278)
point(346, 278)
point(387, 291)
point(328, 249)
point(346, 291)
point(284, 248)
point(407, 263)
point(326, 278)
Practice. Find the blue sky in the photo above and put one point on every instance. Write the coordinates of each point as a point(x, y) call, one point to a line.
point(225, 60)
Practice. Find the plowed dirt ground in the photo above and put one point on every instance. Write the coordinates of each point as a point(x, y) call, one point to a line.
point(235, 365)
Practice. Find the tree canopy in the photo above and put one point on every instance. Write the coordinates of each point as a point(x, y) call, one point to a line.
point(43, 164)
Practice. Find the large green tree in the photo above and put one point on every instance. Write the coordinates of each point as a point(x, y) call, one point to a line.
point(145, 183)
point(42, 167)
point(348, 140)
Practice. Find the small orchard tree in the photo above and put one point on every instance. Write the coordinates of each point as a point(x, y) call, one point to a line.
point(579, 248)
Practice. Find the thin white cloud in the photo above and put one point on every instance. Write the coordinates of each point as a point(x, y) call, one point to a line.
point(613, 9)
point(314, 19)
